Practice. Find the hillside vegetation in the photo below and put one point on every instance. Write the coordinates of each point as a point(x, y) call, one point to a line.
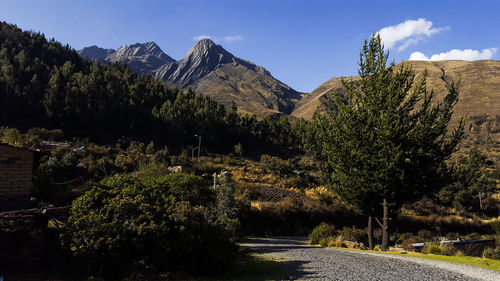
point(120, 151)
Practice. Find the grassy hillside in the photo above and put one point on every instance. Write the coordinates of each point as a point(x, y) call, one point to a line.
point(479, 99)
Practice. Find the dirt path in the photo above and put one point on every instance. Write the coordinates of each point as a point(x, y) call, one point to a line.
point(314, 263)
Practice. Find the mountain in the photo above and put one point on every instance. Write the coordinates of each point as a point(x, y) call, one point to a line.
point(479, 99)
point(142, 58)
point(212, 71)
point(95, 53)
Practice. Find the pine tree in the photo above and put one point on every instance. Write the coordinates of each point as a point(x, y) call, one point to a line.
point(386, 141)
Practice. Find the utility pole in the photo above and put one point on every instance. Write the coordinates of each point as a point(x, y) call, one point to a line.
point(199, 145)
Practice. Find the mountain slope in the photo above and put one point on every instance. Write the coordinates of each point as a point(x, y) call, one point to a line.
point(479, 99)
point(210, 70)
point(142, 58)
point(479, 91)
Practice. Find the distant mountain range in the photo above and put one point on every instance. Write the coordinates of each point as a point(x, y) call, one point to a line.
point(208, 69)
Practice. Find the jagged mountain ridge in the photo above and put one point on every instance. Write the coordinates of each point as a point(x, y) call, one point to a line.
point(141, 58)
point(211, 70)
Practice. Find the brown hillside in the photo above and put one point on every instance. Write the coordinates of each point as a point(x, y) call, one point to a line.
point(479, 99)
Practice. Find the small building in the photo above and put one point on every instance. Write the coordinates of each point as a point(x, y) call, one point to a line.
point(16, 171)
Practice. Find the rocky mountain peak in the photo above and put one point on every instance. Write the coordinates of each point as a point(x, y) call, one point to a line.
point(207, 50)
point(140, 50)
point(95, 53)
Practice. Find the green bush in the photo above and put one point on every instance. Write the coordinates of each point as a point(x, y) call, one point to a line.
point(353, 234)
point(473, 236)
point(184, 187)
point(327, 242)
point(398, 239)
point(495, 225)
point(124, 225)
point(432, 249)
point(490, 253)
point(275, 165)
point(162, 156)
point(425, 234)
point(448, 250)
point(320, 232)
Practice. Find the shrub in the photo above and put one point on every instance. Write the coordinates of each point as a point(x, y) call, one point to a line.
point(406, 244)
point(377, 248)
point(275, 165)
point(353, 234)
point(327, 242)
point(490, 253)
point(424, 234)
point(495, 224)
point(448, 250)
point(473, 236)
point(184, 187)
point(336, 243)
point(238, 149)
point(162, 156)
point(432, 249)
point(459, 254)
point(402, 237)
point(452, 235)
point(124, 224)
point(322, 231)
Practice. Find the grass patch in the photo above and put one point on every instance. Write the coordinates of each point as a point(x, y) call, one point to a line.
point(472, 261)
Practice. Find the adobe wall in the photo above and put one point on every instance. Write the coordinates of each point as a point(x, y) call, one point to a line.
point(16, 166)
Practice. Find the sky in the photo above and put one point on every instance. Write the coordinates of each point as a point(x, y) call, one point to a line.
point(303, 43)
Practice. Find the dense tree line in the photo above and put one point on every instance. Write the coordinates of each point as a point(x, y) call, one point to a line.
point(46, 84)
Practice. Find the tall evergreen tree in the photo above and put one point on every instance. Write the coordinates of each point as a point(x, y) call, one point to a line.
point(386, 141)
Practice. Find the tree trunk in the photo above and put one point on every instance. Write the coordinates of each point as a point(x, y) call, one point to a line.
point(385, 226)
point(370, 232)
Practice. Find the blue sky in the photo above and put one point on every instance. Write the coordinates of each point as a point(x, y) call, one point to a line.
point(302, 43)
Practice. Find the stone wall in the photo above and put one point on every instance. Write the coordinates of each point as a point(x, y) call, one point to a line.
point(16, 167)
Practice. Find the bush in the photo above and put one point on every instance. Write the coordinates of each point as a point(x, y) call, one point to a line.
point(275, 165)
point(402, 237)
point(322, 231)
point(452, 236)
point(406, 244)
point(162, 156)
point(353, 234)
point(425, 234)
point(327, 242)
point(495, 225)
point(490, 253)
point(184, 187)
point(448, 250)
point(473, 236)
point(432, 249)
point(336, 243)
point(125, 225)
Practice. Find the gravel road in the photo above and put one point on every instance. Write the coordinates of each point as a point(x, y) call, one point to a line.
point(314, 263)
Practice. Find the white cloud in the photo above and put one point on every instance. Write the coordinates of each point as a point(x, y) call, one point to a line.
point(407, 33)
point(456, 54)
point(219, 39)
